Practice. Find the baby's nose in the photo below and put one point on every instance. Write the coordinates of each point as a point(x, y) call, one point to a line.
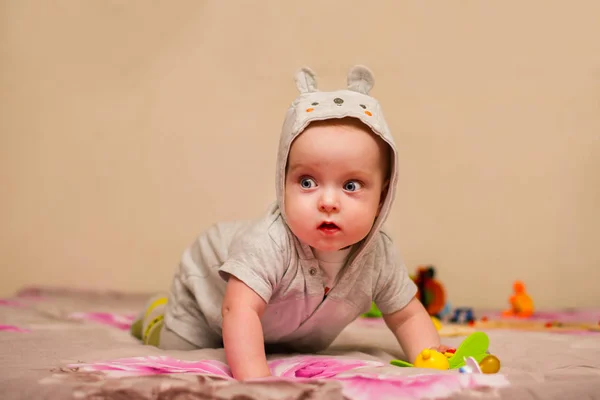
point(329, 203)
point(327, 207)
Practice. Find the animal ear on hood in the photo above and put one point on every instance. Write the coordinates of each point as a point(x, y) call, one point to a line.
point(306, 80)
point(360, 79)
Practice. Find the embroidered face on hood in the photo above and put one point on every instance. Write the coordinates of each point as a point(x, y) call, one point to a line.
point(312, 105)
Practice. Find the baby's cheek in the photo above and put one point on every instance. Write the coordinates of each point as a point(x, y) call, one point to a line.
point(357, 225)
point(364, 219)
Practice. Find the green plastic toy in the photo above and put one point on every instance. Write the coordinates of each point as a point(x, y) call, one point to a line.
point(475, 345)
point(373, 312)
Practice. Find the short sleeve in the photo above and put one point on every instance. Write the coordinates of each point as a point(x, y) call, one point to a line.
point(258, 257)
point(394, 288)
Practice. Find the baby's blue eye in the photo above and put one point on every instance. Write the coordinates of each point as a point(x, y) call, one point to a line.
point(352, 186)
point(307, 183)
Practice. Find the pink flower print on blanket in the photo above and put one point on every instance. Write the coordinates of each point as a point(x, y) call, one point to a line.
point(156, 365)
point(316, 366)
point(19, 302)
point(435, 385)
point(294, 367)
point(11, 303)
point(12, 328)
point(118, 321)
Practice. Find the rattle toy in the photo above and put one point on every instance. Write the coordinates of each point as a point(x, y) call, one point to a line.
point(490, 364)
point(471, 367)
point(430, 358)
point(474, 347)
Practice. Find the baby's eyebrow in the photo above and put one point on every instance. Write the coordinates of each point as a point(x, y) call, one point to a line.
point(362, 176)
point(296, 166)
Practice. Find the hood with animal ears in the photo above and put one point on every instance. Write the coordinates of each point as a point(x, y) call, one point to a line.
point(314, 105)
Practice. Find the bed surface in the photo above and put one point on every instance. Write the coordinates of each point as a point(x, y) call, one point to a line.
point(67, 344)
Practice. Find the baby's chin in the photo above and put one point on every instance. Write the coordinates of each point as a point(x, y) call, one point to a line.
point(327, 248)
point(320, 246)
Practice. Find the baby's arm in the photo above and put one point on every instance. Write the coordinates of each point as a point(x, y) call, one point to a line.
point(242, 331)
point(413, 329)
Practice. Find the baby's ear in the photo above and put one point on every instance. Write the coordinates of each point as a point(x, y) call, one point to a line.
point(360, 79)
point(306, 81)
point(384, 191)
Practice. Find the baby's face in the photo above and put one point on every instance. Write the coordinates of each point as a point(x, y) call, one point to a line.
point(334, 184)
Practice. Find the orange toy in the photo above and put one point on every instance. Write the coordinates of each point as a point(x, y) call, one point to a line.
point(520, 302)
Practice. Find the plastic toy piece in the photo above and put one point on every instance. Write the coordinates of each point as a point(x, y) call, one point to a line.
point(436, 323)
point(450, 353)
point(471, 367)
point(490, 364)
point(521, 304)
point(373, 312)
point(432, 359)
point(474, 346)
point(463, 315)
point(401, 363)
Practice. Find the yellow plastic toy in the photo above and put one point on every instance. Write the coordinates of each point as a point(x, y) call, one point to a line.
point(521, 304)
point(436, 323)
point(490, 364)
point(429, 358)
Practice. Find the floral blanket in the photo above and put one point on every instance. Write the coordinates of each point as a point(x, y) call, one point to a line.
point(68, 344)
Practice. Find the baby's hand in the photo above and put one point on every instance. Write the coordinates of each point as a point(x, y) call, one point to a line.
point(441, 348)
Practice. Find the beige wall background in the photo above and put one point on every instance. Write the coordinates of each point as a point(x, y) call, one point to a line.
point(128, 127)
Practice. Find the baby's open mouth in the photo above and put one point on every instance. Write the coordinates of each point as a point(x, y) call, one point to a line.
point(328, 226)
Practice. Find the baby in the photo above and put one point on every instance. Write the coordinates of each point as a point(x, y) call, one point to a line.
point(296, 277)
